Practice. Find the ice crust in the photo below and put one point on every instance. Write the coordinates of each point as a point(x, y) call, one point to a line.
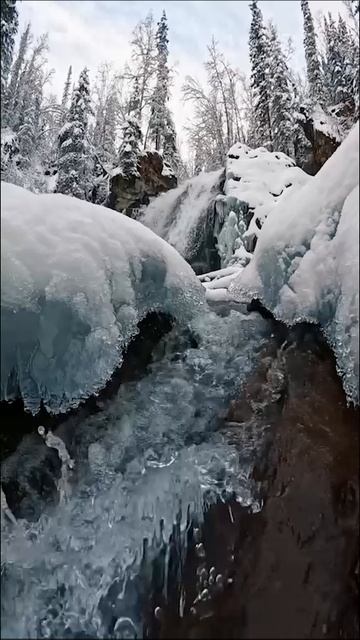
point(76, 279)
point(306, 263)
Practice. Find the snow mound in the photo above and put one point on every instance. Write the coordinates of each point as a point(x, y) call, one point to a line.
point(76, 280)
point(306, 263)
point(256, 181)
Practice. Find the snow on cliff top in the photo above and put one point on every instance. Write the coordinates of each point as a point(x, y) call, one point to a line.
point(76, 280)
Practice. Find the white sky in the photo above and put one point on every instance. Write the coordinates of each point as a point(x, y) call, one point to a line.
point(88, 32)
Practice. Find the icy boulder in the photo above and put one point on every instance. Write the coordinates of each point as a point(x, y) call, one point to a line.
point(256, 181)
point(306, 262)
point(76, 280)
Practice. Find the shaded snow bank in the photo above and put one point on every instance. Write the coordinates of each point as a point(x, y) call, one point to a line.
point(306, 262)
point(76, 280)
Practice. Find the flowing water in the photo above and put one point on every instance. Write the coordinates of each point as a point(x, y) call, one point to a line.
point(149, 460)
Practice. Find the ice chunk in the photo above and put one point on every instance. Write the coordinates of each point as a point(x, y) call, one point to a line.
point(76, 280)
point(306, 262)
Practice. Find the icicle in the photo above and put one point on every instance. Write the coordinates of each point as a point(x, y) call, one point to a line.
point(5, 508)
point(67, 464)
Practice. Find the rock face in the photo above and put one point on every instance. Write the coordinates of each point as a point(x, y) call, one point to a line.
point(322, 131)
point(129, 193)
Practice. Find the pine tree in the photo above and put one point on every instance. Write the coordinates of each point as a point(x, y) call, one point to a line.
point(161, 91)
point(280, 97)
point(260, 86)
point(65, 97)
point(9, 26)
point(74, 161)
point(15, 85)
point(302, 146)
point(170, 153)
point(130, 147)
point(311, 56)
point(27, 137)
point(340, 67)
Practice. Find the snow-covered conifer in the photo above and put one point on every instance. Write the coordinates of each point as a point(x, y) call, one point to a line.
point(130, 147)
point(9, 26)
point(280, 97)
point(65, 97)
point(260, 83)
point(15, 85)
point(161, 91)
point(311, 56)
point(74, 161)
point(170, 151)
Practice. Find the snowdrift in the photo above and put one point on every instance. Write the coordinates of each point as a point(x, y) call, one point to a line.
point(306, 263)
point(76, 280)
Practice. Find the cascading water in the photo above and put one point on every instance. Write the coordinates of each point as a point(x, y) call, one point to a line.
point(184, 218)
point(148, 457)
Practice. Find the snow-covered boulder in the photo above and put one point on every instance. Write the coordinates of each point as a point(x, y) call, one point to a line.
point(76, 280)
point(306, 262)
point(256, 180)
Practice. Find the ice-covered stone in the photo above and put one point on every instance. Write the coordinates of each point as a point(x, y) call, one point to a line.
point(76, 279)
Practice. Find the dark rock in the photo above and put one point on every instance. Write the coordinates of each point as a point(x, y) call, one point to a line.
point(293, 566)
point(322, 145)
point(129, 193)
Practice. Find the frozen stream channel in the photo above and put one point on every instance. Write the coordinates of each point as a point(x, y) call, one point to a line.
point(150, 458)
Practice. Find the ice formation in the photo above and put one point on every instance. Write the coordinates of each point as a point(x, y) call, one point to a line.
point(152, 452)
point(76, 279)
point(256, 181)
point(306, 262)
point(67, 464)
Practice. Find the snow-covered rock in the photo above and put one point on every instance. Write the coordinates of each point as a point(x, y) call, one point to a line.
point(76, 280)
point(256, 180)
point(306, 262)
point(152, 177)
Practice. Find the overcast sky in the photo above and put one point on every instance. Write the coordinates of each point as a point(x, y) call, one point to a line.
point(88, 32)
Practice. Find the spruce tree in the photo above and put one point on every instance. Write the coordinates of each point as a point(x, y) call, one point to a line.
point(311, 56)
point(27, 136)
point(260, 84)
point(161, 91)
point(73, 160)
point(9, 26)
point(17, 77)
point(65, 97)
point(170, 152)
point(130, 147)
point(280, 97)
